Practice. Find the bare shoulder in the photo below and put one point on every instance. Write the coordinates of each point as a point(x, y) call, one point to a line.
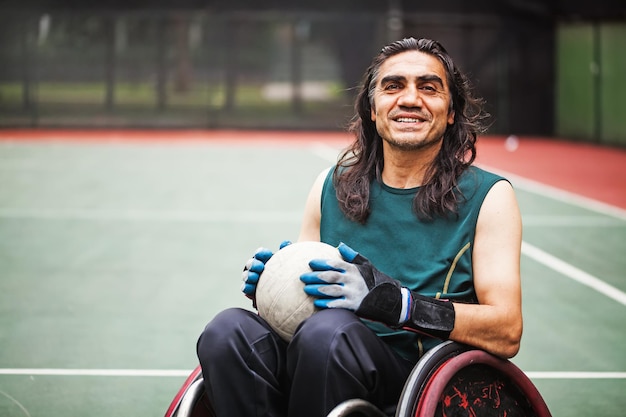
point(310, 228)
point(499, 228)
point(500, 201)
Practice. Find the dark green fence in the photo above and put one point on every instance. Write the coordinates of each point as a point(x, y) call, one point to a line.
point(592, 82)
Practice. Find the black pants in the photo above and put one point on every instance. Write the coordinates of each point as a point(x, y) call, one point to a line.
point(250, 372)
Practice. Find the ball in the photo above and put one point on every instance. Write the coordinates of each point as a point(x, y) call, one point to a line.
point(511, 143)
point(280, 296)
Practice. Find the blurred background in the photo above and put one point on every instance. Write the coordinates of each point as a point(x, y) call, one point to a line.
point(546, 68)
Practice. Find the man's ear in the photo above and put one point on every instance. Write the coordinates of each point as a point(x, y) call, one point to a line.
point(451, 117)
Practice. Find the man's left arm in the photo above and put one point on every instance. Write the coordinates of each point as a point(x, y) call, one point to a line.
point(495, 323)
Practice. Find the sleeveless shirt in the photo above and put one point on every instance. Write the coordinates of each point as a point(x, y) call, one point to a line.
point(431, 257)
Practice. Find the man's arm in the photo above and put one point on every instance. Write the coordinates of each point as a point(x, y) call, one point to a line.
point(495, 324)
point(310, 228)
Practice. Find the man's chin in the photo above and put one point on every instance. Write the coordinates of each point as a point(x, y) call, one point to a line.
point(412, 142)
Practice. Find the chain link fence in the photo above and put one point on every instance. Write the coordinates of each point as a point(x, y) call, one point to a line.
point(261, 70)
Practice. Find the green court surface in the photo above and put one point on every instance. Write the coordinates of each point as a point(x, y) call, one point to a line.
point(114, 255)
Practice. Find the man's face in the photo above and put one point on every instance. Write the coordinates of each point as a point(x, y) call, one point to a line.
point(411, 101)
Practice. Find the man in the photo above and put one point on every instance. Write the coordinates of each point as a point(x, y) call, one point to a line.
point(431, 249)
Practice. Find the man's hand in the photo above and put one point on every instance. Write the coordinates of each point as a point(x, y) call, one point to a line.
point(254, 268)
point(355, 284)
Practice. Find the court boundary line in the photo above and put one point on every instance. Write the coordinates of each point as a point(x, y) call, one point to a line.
point(152, 215)
point(596, 221)
point(559, 194)
point(167, 373)
point(552, 261)
point(95, 372)
point(573, 272)
point(16, 402)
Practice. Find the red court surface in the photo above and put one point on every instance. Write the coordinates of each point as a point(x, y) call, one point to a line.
point(591, 171)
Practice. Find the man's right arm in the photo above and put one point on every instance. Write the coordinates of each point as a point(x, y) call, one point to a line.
point(310, 228)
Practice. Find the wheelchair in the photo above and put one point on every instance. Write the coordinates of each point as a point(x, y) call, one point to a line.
point(450, 380)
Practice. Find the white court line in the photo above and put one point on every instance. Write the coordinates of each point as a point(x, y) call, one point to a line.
point(96, 372)
point(555, 263)
point(186, 372)
point(572, 272)
point(561, 195)
point(576, 375)
point(153, 215)
point(571, 221)
point(16, 402)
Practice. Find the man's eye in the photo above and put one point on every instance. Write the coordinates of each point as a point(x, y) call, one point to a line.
point(392, 87)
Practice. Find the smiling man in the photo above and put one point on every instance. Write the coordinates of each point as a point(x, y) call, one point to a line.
point(430, 246)
point(411, 102)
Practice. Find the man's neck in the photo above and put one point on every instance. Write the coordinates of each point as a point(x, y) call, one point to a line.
point(407, 169)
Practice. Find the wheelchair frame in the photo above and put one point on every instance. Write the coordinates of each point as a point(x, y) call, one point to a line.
point(423, 393)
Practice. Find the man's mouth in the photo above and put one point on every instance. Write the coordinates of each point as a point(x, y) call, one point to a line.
point(408, 117)
point(408, 120)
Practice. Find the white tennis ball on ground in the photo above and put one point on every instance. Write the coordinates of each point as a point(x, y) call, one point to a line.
point(280, 296)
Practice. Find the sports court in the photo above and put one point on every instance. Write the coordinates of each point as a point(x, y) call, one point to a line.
point(118, 246)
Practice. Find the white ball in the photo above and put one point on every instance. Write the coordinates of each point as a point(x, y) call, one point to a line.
point(280, 296)
point(511, 143)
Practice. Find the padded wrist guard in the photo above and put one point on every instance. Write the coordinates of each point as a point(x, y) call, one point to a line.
point(430, 316)
point(383, 303)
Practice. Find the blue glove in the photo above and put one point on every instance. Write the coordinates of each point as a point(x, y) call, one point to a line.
point(254, 268)
point(355, 284)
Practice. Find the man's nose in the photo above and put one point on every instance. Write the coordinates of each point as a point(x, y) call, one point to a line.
point(411, 97)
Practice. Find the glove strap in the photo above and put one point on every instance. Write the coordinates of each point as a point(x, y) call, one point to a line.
point(427, 315)
point(406, 305)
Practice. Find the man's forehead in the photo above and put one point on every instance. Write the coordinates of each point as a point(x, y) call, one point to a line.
point(412, 64)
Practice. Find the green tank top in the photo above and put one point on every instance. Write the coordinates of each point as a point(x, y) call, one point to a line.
point(433, 258)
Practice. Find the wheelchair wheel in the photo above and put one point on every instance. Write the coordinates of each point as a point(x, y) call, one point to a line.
point(476, 383)
point(190, 400)
point(356, 408)
point(422, 372)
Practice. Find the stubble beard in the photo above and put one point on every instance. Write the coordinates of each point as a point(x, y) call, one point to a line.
point(411, 146)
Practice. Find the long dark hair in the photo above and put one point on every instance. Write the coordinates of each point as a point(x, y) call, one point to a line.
point(362, 161)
